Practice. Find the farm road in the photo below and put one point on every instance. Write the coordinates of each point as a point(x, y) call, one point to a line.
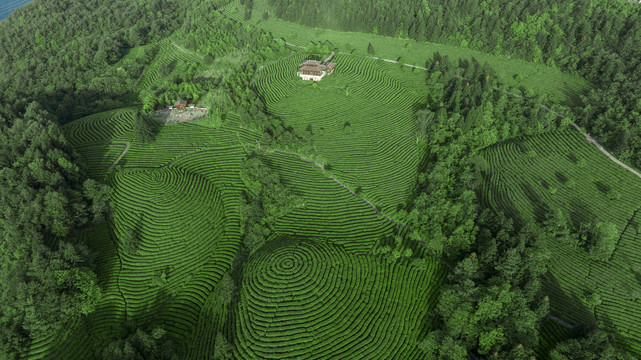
point(590, 138)
point(587, 136)
point(187, 52)
point(392, 220)
point(603, 150)
point(119, 157)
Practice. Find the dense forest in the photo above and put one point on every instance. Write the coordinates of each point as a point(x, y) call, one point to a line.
point(599, 39)
point(57, 66)
point(61, 56)
point(64, 72)
point(466, 114)
point(47, 281)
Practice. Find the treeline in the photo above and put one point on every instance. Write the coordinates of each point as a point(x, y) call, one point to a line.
point(599, 39)
point(47, 281)
point(211, 34)
point(136, 343)
point(59, 53)
point(493, 305)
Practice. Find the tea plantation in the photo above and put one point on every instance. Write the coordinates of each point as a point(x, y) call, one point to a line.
point(425, 200)
point(186, 182)
point(373, 147)
point(530, 177)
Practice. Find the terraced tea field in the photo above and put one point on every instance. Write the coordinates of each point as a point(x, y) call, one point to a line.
point(175, 232)
point(541, 79)
point(305, 299)
point(527, 177)
point(362, 119)
point(101, 138)
point(318, 289)
point(109, 313)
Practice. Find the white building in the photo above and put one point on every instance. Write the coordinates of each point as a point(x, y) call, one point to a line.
point(315, 70)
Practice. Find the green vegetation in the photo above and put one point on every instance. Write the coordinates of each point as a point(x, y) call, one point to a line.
point(441, 210)
point(372, 147)
point(587, 343)
point(595, 227)
point(516, 73)
point(465, 115)
point(494, 302)
point(47, 279)
point(61, 55)
point(141, 345)
point(290, 306)
point(597, 40)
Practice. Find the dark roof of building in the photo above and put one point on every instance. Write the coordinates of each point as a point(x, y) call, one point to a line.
point(310, 63)
point(181, 102)
point(311, 68)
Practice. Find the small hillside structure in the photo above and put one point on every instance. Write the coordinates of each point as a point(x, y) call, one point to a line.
point(180, 104)
point(315, 70)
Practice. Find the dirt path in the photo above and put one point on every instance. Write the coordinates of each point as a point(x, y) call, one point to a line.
point(603, 150)
point(119, 157)
point(587, 136)
point(371, 57)
point(187, 52)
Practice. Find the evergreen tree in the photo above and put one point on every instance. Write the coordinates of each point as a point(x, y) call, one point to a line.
point(370, 49)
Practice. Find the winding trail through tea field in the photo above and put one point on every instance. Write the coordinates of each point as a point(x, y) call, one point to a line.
point(187, 52)
point(363, 199)
point(120, 157)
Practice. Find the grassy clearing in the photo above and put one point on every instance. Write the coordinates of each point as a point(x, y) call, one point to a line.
point(528, 177)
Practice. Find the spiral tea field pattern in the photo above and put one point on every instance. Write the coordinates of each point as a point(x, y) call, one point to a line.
point(305, 299)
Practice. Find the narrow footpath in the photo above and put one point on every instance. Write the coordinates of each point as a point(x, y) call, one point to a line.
point(590, 138)
point(119, 157)
point(188, 52)
point(587, 136)
point(320, 166)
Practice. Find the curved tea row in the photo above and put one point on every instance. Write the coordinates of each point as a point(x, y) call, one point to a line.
point(361, 116)
point(528, 177)
point(308, 300)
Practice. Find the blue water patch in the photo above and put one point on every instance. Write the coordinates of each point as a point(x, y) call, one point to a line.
point(7, 6)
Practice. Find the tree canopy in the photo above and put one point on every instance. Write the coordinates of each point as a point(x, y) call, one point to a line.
point(44, 197)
